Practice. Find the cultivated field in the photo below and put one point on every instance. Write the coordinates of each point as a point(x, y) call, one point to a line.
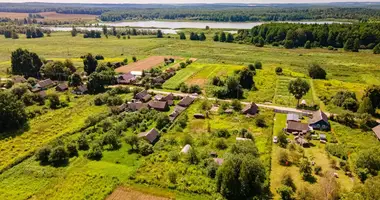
point(130, 194)
point(182, 75)
point(51, 16)
point(145, 64)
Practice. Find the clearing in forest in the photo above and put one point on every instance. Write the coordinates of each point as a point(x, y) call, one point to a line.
point(129, 194)
point(145, 64)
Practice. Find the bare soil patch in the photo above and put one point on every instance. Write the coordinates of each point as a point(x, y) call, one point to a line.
point(50, 16)
point(144, 64)
point(122, 193)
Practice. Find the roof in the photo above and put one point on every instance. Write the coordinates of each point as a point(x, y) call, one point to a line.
point(160, 105)
point(219, 161)
point(199, 116)
point(19, 79)
point(229, 111)
point(243, 139)
point(318, 116)
point(126, 78)
point(136, 73)
point(186, 148)
point(143, 95)
point(187, 101)
point(42, 94)
point(45, 83)
point(322, 137)
point(150, 136)
point(62, 87)
point(158, 80)
point(82, 89)
point(297, 126)
point(168, 97)
point(158, 97)
point(137, 106)
point(376, 130)
point(293, 117)
point(250, 109)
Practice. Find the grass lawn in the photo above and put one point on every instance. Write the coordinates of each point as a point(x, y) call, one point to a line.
point(283, 97)
point(315, 153)
point(181, 76)
point(47, 127)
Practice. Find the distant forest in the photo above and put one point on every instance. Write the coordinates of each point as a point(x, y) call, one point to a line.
point(211, 12)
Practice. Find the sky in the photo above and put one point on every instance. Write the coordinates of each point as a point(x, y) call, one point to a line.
point(187, 1)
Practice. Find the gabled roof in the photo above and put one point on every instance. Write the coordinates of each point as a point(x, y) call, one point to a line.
point(297, 126)
point(126, 78)
point(82, 89)
point(149, 136)
point(42, 94)
point(168, 97)
point(62, 87)
point(159, 105)
point(293, 117)
point(376, 130)
point(45, 83)
point(187, 101)
point(137, 106)
point(158, 97)
point(186, 149)
point(19, 79)
point(158, 80)
point(143, 95)
point(318, 116)
point(250, 109)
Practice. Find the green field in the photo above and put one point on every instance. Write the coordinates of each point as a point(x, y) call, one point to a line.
point(181, 76)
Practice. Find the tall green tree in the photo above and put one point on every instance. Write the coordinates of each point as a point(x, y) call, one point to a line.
point(75, 80)
point(182, 36)
point(202, 37)
point(160, 34)
point(25, 63)
point(376, 50)
point(90, 64)
point(12, 115)
point(230, 38)
point(366, 106)
point(216, 37)
point(56, 71)
point(298, 88)
point(373, 93)
point(222, 37)
point(246, 78)
point(317, 72)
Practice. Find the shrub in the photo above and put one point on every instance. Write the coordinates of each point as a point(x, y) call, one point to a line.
point(172, 175)
point(305, 168)
point(282, 139)
point(58, 156)
point(43, 153)
point(318, 170)
point(145, 148)
point(278, 70)
point(54, 101)
point(195, 89)
point(222, 133)
point(72, 149)
point(283, 157)
point(212, 168)
point(288, 181)
point(307, 45)
point(258, 65)
point(221, 144)
point(99, 57)
point(173, 156)
point(82, 142)
point(112, 140)
point(187, 139)
point(260, 121)
point(95, 152)
point(192, 157)
point(162, 121)
point(236, 105)
point(285, 192)
point(317, 72)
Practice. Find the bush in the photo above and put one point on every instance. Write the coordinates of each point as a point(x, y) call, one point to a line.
point(192, 157)
point(307, 45)
point(212, 168)
point(72, 149)
point(222, 133)
point(260, 121)
point(285, 192)
point(282, 139)
point(82, 142)
point(195, 89)
point(283, 157)
point(42, 154)
point(58, 156)
point(145, 148)
point(112, 140)
point(162, 121)
point(317, 72)
point(317, 170)
point(173, 156)
point(288, 181)
point(95, 152)
point(54, 101)
point(99, 57)
point(305, 168)
point(172, 175)
point(258, 65)
point(221, 144)
point(278, 70)
point(236, 105)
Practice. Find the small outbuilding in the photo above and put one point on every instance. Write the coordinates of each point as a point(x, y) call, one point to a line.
point(136, 106)
point(18, 79)
point(199, 116)
point(44, 84)
point(150, 136)
point(186, 149)
point(250, 109)
point(62, 87)
point(81, 90)
point(143, 96)
point(159, 105)
point(319, 121)
point(186, 102)
point(376, 130)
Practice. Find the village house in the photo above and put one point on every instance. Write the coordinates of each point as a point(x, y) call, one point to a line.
point(319, 121)
point(250, 109)
point(186, 102)
point(168, 98)
point(136, 106)
point(177, 111)
point(45, 84)
point(18, 79)
point(126, 78)
point(151, 136)
point(293, 117)
point(158, 105)
point(62, 87)
point(376, 130)
point(80, 90)
point(143, 96)
point(297, 127)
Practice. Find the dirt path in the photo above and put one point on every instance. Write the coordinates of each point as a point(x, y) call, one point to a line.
point(122, 193)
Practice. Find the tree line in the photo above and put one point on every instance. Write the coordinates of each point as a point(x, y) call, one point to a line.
point(352, 37)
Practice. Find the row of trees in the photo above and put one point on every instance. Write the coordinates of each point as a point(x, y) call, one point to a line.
point(350, 36)
point(223, 37)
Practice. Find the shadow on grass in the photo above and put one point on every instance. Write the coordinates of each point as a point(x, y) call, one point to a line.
point(14, 133)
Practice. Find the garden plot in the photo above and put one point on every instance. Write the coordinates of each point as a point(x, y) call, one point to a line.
point(144, 64)
point(181, 76)
point(283, 97)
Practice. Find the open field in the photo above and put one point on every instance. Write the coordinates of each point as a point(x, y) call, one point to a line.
point(141, 65)
point(50, 16)
point(130, 194)
point(182, 75)
point(283, 97)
